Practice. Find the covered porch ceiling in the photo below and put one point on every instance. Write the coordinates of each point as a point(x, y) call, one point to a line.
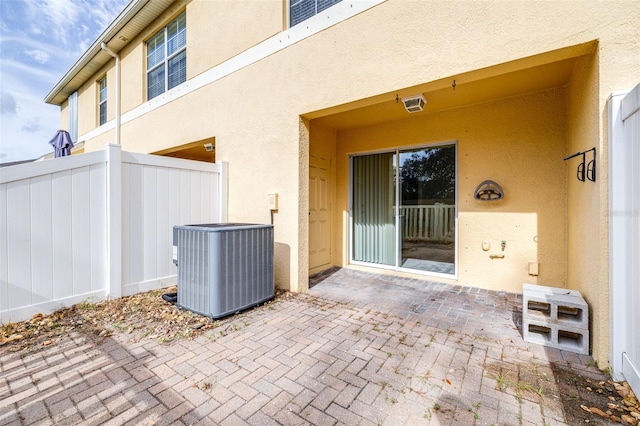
point(203, 150)
point(528, 75)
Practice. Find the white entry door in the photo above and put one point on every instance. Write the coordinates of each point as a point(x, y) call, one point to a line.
point(624, 221)
point(319, 211)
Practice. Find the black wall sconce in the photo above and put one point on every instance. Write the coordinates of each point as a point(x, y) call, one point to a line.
point(587, 170)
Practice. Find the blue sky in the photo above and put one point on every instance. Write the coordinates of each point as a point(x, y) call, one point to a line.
point(39, 41)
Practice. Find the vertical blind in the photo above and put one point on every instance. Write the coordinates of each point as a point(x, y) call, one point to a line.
point(373, 205)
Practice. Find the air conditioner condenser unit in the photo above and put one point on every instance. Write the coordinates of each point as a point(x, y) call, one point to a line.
point(224, 268)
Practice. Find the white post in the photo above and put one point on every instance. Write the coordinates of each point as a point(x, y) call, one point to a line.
point(618, 238)
point(223, 190)
point(114, 220)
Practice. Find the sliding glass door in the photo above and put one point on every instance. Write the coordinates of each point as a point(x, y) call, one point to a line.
point(404, 209)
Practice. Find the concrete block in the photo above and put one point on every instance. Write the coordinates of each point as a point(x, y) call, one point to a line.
point(555, 317)
point(555, 336)
point(555, 306)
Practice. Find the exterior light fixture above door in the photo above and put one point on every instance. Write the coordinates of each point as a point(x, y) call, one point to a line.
point(414, 103)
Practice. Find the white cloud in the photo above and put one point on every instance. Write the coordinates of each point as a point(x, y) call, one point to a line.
point(32, 126)
point(54, 17)
point(74, 24)
point(7, 103)
point(39, 56)
point(12, 66)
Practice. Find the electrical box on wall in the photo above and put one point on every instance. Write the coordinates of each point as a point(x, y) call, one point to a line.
point(533, 268)
point(273, 201)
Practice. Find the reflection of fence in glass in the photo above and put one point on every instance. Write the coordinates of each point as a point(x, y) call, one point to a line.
point(429, 223)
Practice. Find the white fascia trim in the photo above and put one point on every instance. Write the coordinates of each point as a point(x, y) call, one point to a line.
point(318, 23)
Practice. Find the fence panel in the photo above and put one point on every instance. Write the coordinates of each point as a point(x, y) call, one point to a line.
point(624, 222)
point(158, 193)
point(50, 245)
point(55, 217)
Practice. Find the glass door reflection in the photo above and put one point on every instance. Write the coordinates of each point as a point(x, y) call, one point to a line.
point(428, 208)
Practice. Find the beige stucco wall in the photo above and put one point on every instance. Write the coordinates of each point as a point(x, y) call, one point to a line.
point(518, 142)
point(209, 44)
point(231, 28)
point(87, 107)
point(254, 114)
point(587, 223)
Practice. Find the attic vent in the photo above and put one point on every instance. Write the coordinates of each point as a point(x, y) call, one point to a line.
point(414, 103)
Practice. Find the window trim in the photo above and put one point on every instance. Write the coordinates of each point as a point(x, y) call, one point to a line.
point(166, 59)
point(102, 101)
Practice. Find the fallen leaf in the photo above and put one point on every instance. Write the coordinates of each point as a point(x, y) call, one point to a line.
point(448, 381)
point(585, 408)
point(47, 343)
point(628, 420)
point(629, 402)
point(598, 411)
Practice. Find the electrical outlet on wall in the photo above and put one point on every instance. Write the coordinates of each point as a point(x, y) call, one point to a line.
point(273, 201)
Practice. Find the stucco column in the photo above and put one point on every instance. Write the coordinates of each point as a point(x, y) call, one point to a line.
point(302, 284)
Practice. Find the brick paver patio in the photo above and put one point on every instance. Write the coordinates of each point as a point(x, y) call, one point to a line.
point(357, 349)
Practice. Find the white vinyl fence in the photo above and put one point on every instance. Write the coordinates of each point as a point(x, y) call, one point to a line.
point(97, 225)
point(430, 222)
point(624, 243)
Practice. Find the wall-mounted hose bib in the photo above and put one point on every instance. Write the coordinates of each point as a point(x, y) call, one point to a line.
point(585, 169)
point(488, 190)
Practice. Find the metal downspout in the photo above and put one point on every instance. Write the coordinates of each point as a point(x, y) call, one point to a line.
point(117, 58)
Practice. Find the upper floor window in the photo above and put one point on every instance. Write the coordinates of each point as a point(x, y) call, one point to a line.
point(102, 100)
point(167, 57)
point(300, 10)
